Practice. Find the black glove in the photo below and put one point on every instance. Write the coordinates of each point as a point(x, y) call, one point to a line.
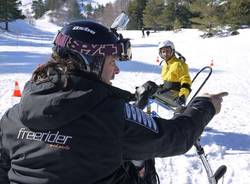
point(161, 85)
point(143, 92)
point(181, 100)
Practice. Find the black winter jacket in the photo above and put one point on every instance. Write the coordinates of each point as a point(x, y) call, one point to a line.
point(83, 135)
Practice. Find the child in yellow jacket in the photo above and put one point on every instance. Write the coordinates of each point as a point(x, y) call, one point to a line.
point(175, 73)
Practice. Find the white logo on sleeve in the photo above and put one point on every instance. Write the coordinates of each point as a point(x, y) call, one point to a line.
point(136, 115)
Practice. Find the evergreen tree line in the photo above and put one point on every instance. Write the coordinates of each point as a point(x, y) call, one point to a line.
point(206, 15)
point(62, 11)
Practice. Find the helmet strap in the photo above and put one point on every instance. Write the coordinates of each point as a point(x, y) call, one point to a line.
point(180, 56)
point(86, 62)
point(100, 73)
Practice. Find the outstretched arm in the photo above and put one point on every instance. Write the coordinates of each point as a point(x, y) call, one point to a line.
point(146, 137)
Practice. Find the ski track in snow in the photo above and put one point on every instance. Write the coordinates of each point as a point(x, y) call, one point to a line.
point(227, 138)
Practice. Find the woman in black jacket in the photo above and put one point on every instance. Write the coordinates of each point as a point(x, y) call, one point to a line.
point(72, 126)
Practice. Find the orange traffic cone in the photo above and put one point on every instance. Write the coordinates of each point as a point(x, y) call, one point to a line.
point(212, 63)
point(17, 92)
point(157, 59)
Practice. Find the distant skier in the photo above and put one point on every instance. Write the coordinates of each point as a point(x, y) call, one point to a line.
point(147, 32)
point(143, 32)
point(175, 74)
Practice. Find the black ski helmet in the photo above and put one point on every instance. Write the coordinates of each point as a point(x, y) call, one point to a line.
point(90, 42)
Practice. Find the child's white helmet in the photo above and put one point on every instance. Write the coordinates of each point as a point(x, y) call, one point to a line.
point(166, 43)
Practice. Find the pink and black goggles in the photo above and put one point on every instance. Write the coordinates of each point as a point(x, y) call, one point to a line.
point(122, 48)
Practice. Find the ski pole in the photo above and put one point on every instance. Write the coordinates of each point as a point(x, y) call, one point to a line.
point(212, 178)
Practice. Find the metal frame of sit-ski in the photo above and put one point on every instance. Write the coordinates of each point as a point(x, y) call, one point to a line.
point(213, 177)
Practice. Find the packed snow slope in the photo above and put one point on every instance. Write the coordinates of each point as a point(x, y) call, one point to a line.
point(227, 138)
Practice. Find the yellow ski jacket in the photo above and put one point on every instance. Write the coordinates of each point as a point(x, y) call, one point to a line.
point(175, 74)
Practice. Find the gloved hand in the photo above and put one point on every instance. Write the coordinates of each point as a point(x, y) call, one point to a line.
point(216, 100)
point(161, 85)
point(143, 92)
point(181, 100)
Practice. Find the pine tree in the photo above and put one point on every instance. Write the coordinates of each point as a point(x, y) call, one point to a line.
point(183, 15)
point(168, 16)
point(88, 9)
point(135, 13)
point(237, 13)
point(152, 14)
point(38, 8)
point(133, 23)
point(9, 11)
point(177, 25)
point(206, 12)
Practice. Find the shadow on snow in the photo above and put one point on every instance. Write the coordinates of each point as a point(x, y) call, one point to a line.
point(14, 41)
point(20, 62)
point(230, 140)
point(139, 66)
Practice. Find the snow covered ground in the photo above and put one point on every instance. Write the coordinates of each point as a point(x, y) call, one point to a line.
point(226, 141)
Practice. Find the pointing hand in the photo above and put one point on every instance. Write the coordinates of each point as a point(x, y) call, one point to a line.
point(216, 99)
